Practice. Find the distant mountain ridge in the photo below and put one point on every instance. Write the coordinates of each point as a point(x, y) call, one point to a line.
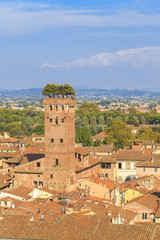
point(82, 93)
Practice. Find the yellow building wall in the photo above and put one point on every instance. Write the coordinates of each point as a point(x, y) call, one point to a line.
point(131, 194)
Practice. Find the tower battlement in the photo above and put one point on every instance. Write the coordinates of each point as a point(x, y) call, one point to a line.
point(59, 101)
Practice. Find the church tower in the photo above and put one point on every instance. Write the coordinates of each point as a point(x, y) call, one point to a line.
point(59, 143)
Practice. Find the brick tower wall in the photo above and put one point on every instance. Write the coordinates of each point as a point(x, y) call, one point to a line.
point(59, 142)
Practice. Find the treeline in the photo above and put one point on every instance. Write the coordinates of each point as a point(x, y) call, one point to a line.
point(21, 123)
point(88, 122)
point(90, 110)
point(89, 116)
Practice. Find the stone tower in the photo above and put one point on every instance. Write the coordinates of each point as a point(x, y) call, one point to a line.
point(59, 143)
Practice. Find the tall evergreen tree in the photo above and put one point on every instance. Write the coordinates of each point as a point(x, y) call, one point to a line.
point(93, 121)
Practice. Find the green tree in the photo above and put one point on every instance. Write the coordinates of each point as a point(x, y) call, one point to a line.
point(101, 120)
point(93, 131)
point(148, 134)
point(86, 136)
point(119, 134)
point(97, 142)
point(126, 119)
point(132, 111)
point(109, 120)
point(85, 121)
point(51, 90)
point(83, 136)
point(99, 128)
point(69, 90)
point(93, 121)
point(135, 121)
point(39, 129)
point(78, 122)
point(143, 120)
point(88, 108)
point(47, 90)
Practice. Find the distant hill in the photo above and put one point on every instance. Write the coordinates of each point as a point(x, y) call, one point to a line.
point(81, 93)
point(22, 93)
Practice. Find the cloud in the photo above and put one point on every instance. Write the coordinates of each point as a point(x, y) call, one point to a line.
point(24, 18)
point(137, 58)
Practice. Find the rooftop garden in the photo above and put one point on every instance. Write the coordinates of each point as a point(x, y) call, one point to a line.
point(56, 91)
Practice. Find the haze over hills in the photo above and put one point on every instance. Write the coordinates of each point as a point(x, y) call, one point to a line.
point(87, 93)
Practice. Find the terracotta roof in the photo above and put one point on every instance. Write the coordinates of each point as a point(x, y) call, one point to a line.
point(148, 200)
point(12, 200)
point(108, 159)
point(45, 189)
point(4, 185)
point(155, 210)
point(5, 178)
point(125, 232)
point(148, 142)
point(115, 210)
point(8, 148)
point(9, 140)
point(101, 149)
point(157, 213)
point(18, 193)
point(148, 150)
point(24, 189)
point(78, 168)
point(9, 154)
point(16, 159)
point(132, 155)
point(108, 183)
point(29, 168)
point(76, 227)
point(34, 150)
point(38, 136)
point(81, 151)
point(154, 162)
point(99, 136)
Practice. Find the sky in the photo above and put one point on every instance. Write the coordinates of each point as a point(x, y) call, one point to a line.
point(87, 43)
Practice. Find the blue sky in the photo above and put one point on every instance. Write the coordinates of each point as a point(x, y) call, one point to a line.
point(95, 43)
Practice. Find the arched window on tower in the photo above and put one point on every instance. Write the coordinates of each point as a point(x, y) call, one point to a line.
point(56, 120)
point(51, 176)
